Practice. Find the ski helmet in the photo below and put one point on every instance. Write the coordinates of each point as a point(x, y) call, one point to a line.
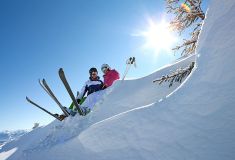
point(93, 69)
point(105, 66)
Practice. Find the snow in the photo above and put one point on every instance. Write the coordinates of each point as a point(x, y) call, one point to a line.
point(5, 155)
point(137, 119)
point(7, 136)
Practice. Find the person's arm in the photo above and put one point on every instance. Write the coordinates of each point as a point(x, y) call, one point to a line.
point(116, 74)
point(103, 85)
point(82, 93)
point(112, 76)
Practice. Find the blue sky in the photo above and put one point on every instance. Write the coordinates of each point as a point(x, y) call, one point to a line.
point(39, 37)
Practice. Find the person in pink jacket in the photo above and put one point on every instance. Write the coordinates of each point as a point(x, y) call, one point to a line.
point(110, 75)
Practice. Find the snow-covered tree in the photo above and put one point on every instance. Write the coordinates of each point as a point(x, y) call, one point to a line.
point(187, 15)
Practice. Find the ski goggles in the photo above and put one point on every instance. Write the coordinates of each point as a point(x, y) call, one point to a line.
point(104, 69)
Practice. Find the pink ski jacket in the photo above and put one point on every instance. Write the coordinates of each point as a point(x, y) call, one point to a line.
point(110, 77)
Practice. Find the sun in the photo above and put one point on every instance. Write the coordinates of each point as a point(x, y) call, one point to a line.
point(158, 37)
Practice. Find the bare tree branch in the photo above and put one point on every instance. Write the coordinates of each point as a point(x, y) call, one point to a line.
point(185, 18)
point(176, 76)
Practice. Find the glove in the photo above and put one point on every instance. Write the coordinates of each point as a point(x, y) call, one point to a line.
point(104, 86)
point(78, 100)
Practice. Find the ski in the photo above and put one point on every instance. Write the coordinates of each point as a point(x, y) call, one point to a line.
point(45, 86)
point(35, 104)
point(66, 84)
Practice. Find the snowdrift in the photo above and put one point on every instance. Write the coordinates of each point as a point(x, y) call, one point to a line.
point(137, 119)
point(7, 136)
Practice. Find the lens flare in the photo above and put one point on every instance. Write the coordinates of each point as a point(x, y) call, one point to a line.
point(186, 7)
point(158, 37)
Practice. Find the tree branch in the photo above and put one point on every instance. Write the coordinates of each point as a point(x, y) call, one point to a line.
point(176, 76)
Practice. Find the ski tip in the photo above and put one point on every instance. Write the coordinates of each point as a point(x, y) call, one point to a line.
point(27, 98)
point(61, 70)
point(39, 80)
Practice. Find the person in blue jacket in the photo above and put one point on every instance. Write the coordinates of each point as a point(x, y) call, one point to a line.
point(94, 84)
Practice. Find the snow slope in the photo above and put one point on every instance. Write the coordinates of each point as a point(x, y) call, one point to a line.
point(60, 139)
point(7, 136)
point(137, 119)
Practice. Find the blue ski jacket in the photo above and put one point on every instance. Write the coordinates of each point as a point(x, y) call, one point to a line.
point(90, 87)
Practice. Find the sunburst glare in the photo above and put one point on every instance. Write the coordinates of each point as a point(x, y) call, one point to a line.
point(158, 37)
